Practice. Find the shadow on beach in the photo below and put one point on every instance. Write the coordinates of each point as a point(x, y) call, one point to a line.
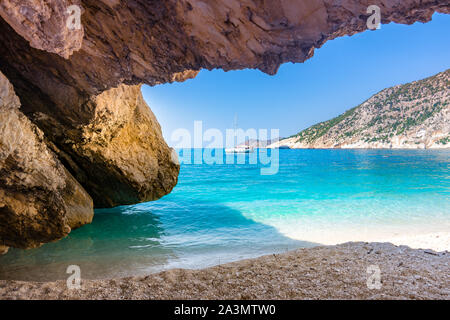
point(147, 238)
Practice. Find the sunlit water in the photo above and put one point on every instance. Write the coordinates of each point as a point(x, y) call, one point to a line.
point(222, 213)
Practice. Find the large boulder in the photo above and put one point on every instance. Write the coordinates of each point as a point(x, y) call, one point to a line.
point(40, 201)
point(119, 155)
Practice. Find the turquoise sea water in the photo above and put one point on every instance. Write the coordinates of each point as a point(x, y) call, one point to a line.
point(222, 213)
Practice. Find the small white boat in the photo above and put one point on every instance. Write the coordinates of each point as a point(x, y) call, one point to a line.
point(238, 149)
point(241, 149)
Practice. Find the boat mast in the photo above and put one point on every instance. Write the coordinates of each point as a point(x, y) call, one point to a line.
point(235, 129)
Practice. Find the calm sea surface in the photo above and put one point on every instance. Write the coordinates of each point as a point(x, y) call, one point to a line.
point(222, 213)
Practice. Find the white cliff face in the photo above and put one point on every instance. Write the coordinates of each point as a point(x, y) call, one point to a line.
point(411, 116)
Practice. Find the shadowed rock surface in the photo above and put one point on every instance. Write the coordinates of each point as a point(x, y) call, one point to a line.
point(81, 87)
point(40, 201)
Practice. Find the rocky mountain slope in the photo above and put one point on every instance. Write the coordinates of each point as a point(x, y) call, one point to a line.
point(413, 115)
point(79, 90)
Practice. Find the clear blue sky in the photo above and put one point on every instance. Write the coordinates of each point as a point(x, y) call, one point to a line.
point(342, 74)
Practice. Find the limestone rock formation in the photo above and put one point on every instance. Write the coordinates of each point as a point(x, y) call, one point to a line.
point(40, 201)
point(81, 86)
point(47, 25)
point(410, 116)
point(119, 156)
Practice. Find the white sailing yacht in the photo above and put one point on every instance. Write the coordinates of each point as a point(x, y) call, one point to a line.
point(238, 149)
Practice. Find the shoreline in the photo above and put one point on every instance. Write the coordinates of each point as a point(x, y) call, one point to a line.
point(437, 241)
point(322, 272)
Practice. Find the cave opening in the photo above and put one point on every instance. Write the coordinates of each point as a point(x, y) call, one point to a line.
point(104, 133)
point(342, 74)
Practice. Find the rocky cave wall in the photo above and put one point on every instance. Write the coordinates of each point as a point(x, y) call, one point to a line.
point(82, 130)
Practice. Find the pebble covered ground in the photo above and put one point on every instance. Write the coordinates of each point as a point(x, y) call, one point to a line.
point(325, 272)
